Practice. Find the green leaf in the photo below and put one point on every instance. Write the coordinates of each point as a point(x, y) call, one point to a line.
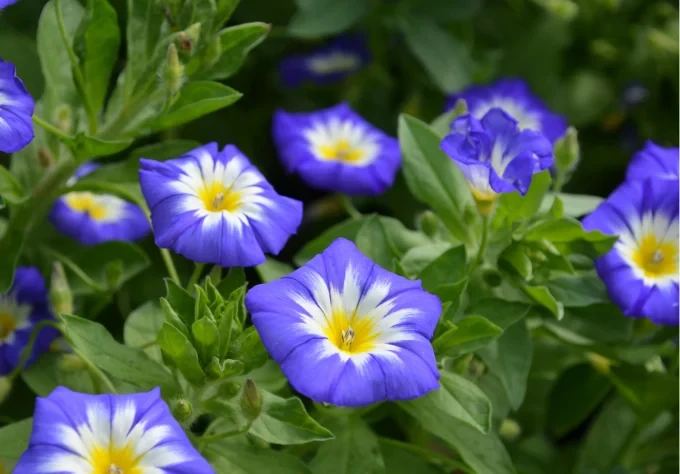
point(235, 43)
point(235, 279)
point(97, 46)
point(273, 270)
point(509, 357)
point(649, 393)
point(143, 31)
point(234, 457)
point(268, 377)
point(568, 229)
point(250, 349)
point(501, 313)
point(46, 374)
point(85, 147)
point(450, 267)
point(517, 259)
point(285, 421)
point(128, 364)
point(417, 258)
point(196, 100)
point(372, 240)
point(578, 290)
point(542, 296)
point(14, 438)
point(468, 335)
point(10, 189)
point(354, 449)
point(401, 461)
point(574, 397)
point(231, 417)
point(142, 327)
point(347, 229)
point(575, 205)
point(207, 337)
point(515, 207)
point(445, 58)
point(326, 17)
point(445, 10)
point(458, 399)
point(432, 176)
point(180, 301)
point(177, 347)
point(601, 322)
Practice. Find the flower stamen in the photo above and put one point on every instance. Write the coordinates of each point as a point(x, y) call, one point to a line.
point(657, 257)
point(113, 469)
point(347, 336)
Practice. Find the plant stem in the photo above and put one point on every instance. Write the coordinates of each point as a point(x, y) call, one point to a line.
point(96, 371)
point(28, 349)
point(482, 245)
point(195, 276)
point(425, 453)
point(49, 127)
point(349, 207)
point(170, 265)
point(226, 434)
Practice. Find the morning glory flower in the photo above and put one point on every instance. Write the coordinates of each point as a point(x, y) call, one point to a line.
point(654, 161)
point(327, 64)
point(495, 155)
point(641, 270)
point(93, 218)
point(21, 308)
point(348, 332)
point(336, 150)
point(6, 3)
point(215, 207)
point(516, 98)
point(108, 434)
point(16, 109)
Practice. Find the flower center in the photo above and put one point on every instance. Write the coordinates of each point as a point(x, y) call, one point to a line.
point(352, 334)
point(87, 203)
point(7, 325)
point(115, 460)
point(217, 198)
point(656, 258)
point(341, 151)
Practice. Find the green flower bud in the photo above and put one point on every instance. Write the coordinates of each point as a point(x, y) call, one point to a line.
point(5, 388)
point(64, 118)
point(45, 158)
point(60, 291)
point(229, 389)
point(599, 363)
point(182, 410)
point(567, 151)
point(428, 223)
point(173, 73)
point(510, 430)
point(251, 400)
point(71, 363)
point(188, 39)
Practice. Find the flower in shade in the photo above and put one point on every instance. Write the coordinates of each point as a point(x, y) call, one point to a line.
point(654, 161)
point(92, 218)
point(348, 332)
point(21, 308)
point(641, 270)
point(3, 4)
point(335, 149)
point(327, 64)
point(16, 109)
point(516, 98)
point(215, 207)
point(495, 155)
point(108, 434)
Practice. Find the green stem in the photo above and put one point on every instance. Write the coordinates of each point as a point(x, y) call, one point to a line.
point(226, 434)
point(349, 207)
point(96, 371)
point(195, 276)
point(170, 265)
point(482, 245)
point(28, 349)
point(50, 128)
point(425, 453)
point(77, 73)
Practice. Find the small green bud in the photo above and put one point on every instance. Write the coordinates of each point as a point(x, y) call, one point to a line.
point(600, 363)
point(229, 389)
point(71, 363)
point(45, 158)
point(60, 291)
point(64, 118)
point(428, 223)
point(476, 368)
point(182, 410)
point(510, 430)
point(251, 400)
point(5, 388)
point(173, 74)
point(567, 151)
point(188, 39)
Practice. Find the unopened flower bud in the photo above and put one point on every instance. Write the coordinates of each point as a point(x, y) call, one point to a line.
point(61, 296)
point(182, 410)
point(45, 158)
point(510, 430)
point(64, 118)
point(428, 223)
point(5, 388)
point(71, 363)
point(567, 151)
point(599, 363)
point(188, 39)
point(229, 389)
point(173, 74)
point(251, 400)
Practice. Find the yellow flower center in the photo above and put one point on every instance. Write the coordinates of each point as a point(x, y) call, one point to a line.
point(7, 325)
point(115, 461)
point(656, 259)
point(352, 334)
point(87, 203)
point(341, 151)
point(217, 198)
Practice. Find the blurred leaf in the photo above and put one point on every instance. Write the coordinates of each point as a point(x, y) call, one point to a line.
point(432, 176)
point(347, 229)
point(372, 240)
point(417, 258)
point(14, 438)
point(501, 313)
point(177, 347)
point(273, 270)
point(316, 18)
point(450, 267)
point(600, 322)
point(86, 148)
point(575, 205)
point(268, 377)
point(578, 290)
point(10, 189)
point(567, 229)
point(142, 327)
point(400, 461)
point(517, 207)
point(445, 58)
point(649, 393)
point(545, 298)
point(588, 96)
point(468, 335)
point(445, 10)
point(250, 350)
point(235, 43)
point(45, 375)
point(234, 457)
point(518, 260)
point(144, 21)
point(20, 49)
point(285, 421)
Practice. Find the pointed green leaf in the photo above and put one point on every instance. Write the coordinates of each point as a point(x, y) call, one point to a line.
point(178, 348)
point(354, 449)
point(469, 335)
point(235, 44)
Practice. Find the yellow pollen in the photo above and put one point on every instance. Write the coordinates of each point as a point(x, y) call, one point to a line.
point(86, 203)
point(353, 334)
point(7, 325)
point(217, 198)
point(655, 258)
point(115, 461)
point(341, 151)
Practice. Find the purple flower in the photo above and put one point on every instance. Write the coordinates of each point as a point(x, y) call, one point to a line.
point(6, 3)
point(336, 150)
point(495, 155)
point(16, 109)
point(516, 98)
point(654, 161)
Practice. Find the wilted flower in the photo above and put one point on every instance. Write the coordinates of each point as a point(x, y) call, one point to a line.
point(654, 161)
point(92, 218)
point(335, 149)
point(327, 64)
point(21, 308)
point(516, 98)
point(108, 434)
point(495, 155)
point(348, 332)
point(641, 270)
point(215, 207)
point(16, 108)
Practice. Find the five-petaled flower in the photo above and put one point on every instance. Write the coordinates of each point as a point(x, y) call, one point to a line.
point(641, 270)
point(654, 161)
point(21, 308)
point(326, 64)
point(495, 155)
point(16, 109)
point(516, 98)
point(92, 218)
point(77, 433)
point(348, 332)
point(215, 207)
point(335, 149)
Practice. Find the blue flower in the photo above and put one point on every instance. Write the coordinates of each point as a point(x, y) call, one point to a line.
point(6, 3)
point(21, 308)
point(93, 219)
point(78, 433)
point(654, 161)
point(327, 64)
point(215, 207)
point(335, 149)
point(348, 332)
point(16, 110)
point(516, 98)
point(641, 270)
point(494, 155)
